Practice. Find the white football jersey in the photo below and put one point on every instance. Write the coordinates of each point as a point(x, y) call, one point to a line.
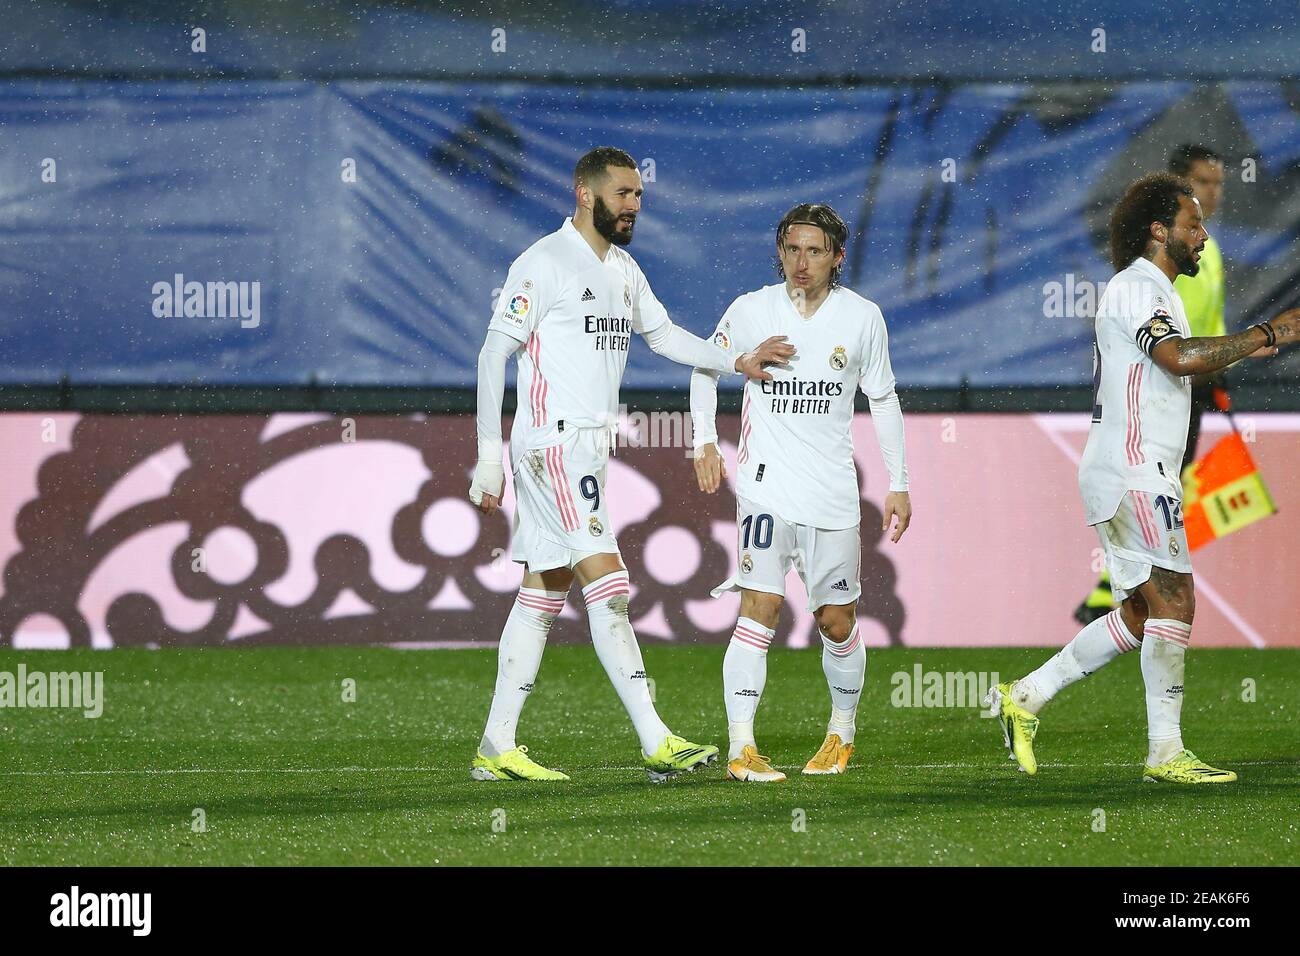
point(1140, 412)
point(795, 451)
point(575, 316)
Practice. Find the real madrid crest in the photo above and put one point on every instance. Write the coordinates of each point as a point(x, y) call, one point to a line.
point(839, 359)
point(1159, 328)
point(1173, 547)
point(595, 527)
point(627, 296)
point(746, 564)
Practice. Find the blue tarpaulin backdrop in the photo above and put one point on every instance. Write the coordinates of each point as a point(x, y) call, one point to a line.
point(966, 202)
point(770, 41)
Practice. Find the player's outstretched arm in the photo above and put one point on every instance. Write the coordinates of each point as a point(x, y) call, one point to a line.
point(489, 476)
point(1202, 355)
point(678, 345)
point(710, 469)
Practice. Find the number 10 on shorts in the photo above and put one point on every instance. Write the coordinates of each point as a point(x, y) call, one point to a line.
point(761, 525)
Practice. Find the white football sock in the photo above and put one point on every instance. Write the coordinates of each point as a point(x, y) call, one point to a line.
point(845, 667)
point(744, 673)
point(616, 646)
point(1164, 646)
point(1092, 649)
point(519, 655)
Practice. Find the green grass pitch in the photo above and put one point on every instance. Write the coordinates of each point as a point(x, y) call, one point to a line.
point(285, 772)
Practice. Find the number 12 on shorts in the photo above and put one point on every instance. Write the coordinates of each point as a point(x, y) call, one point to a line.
point(1171, 509)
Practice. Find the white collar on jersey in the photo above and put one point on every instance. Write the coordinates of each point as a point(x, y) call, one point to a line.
point(1153, 270)
point(779, 290)
point(571, 231)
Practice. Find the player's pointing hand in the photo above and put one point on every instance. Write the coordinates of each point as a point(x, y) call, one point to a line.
point(773, 351)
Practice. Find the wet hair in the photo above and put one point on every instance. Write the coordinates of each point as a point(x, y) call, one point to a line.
point(1181, 159)
point(824, 218)
point(593, 167)
point(1153, 198)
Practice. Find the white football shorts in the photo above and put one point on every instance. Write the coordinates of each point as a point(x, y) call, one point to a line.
point(561, 514)
point(767, 546)
point(1145, 532)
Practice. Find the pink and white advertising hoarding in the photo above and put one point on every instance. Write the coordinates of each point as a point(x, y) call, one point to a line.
point(253, 530)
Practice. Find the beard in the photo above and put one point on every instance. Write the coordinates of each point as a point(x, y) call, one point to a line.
point(606, 223)
point(1181, 253)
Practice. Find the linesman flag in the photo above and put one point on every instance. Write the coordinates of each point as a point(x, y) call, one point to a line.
point(1223, 493)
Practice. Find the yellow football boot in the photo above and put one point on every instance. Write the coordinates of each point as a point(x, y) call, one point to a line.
point(832, 758)
point(754, 767)
point(1019, 726)
point(678, 755)
point(511, 765)
point(1186, 767)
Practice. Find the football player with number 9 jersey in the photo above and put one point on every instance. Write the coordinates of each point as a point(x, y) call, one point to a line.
point(569, 307)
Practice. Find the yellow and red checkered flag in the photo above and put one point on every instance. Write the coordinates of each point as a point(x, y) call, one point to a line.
point(1223, 493)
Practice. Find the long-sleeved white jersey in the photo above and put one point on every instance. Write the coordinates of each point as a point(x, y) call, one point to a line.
point(795, 449)
point(574, 315)
point(1140, 412)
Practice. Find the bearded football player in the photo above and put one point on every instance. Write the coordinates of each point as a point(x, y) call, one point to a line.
point(568, 309)
point(1144, 359)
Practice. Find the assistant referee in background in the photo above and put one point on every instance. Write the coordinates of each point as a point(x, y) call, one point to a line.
point(1202, 294)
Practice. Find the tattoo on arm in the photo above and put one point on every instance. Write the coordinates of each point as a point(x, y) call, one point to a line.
point(1203, 354)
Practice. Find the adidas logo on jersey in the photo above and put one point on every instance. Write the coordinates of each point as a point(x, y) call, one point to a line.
point(840, 585)
point(587, 296)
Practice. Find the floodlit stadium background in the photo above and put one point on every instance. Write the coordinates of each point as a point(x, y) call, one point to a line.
point(374, 168)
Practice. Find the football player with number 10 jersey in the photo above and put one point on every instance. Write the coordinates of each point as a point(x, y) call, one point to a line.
point(797, 496)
